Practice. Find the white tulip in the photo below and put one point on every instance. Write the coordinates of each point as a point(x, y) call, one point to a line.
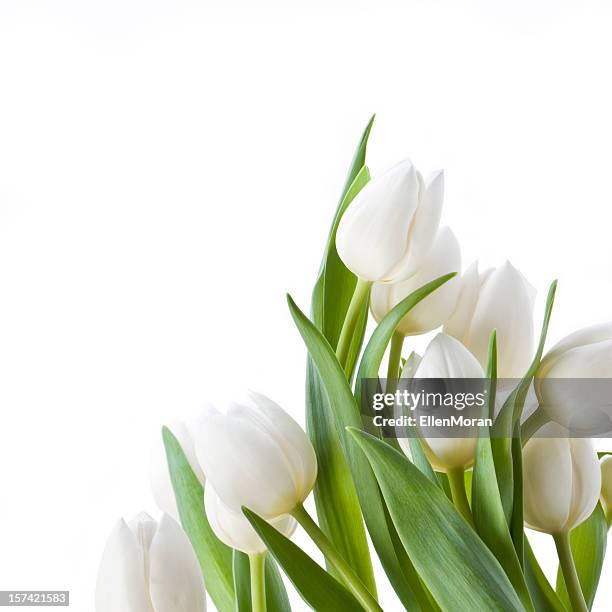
point(606, 484)
point(390, 226)
point(256, 455)
point(586, 353)
point(561, 480)
point(500, 299)
point(443, 258)
point(234, 529)
point(446, 357)
point(149, 567)
point(161, 484)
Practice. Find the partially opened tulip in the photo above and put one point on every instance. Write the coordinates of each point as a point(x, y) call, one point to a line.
point(233, 528)
point(161, 484)
point(500, 299)
point(584, 408)
point(255, 455)
point(443, 258)
point(446, 357)
point(149, 567)
point(562, 485)
point(390, 226)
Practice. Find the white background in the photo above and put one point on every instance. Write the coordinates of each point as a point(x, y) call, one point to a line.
point(168, 170)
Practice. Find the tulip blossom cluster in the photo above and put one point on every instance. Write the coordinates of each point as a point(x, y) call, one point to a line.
point(237, 477)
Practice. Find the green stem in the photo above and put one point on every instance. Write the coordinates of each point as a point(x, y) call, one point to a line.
point(342, 567)
point(456, 480)
point(395, 355)
point(257, 564)
point(362, 290)
point(568, 568)
point(530, 427)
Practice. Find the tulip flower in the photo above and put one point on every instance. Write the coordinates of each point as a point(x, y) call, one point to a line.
point(256, 455)
point(446, 357)
point(435, 309)
point(161, 484)
point(606, 485)
point(149, 567)
point(391, 224)
point(500, 299)
point(233, 528)
point(586, 353)
point(562, 485)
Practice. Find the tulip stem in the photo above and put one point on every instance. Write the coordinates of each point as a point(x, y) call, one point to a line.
point(352, 581)
point(456, 480)
point(257, 564)
point(395, 356)
point(361, 293)
point(532, 424)
point(568, 568)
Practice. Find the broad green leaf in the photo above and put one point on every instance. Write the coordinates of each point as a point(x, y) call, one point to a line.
point(455, 565)
point(276, 595)
point(215, 557)
point(335, 496)
point(344, 410)
point(487, 508)
point(588, 542)
point(509, 416)
point(320, 590)
point(542, 594)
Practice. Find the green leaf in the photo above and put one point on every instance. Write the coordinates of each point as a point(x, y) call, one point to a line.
point(320, 590)
point(487, 508)
point(455, 565)
point(588, 543)
point(215, 557)
point(505, 424)
point(542, 594)
point(344, 410)
point(375, 350)
point(276, 595)
point(335, 496)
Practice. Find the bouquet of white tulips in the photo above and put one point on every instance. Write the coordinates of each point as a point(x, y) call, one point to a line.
point(446, 516)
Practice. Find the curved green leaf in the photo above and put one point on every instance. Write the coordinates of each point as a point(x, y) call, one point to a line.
point(215, 557)
point(588, 543)
point(344, 411)
point(542, 594)
point(320, 590)
point(487, 508)
point(456, 566)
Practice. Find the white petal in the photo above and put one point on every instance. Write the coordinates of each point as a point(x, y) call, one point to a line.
point(446, 357)
point(458, 324)
point(450, 453)
point(432, 312)
point(606, 482)
point(505, 303)
point(245, 465)
point(121, 585)
point(547, 481)
point(423, 231)
point(176, 583)
point(586, 481)
point(373, 233)
point(233, 528)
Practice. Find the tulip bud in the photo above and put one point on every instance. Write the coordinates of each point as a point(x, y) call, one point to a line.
point(606, 483)
point(561, 479)
point(234, 529)
point(390, 226)
point(256, 455)
point(446, 357)
point(500, 299)
point(434, 310)
point(161, 483)
point(586, 353)
point(149, 567)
